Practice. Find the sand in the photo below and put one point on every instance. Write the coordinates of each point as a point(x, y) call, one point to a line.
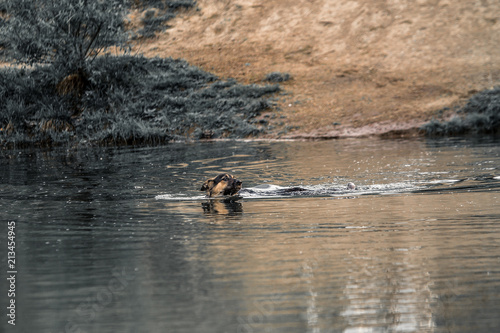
point(366, 67)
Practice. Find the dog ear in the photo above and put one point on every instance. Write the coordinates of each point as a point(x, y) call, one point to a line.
point(221, 177)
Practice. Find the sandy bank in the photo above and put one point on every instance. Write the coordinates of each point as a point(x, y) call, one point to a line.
point(358, 67)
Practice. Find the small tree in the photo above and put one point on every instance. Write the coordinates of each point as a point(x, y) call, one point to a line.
point(66, 33)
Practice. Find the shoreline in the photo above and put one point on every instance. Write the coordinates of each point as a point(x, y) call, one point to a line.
point(385, 130)
point(356, 69)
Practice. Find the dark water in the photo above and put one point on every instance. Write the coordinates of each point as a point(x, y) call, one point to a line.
point(119, 240)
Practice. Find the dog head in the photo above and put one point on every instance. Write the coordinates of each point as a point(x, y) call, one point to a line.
point(223, 184)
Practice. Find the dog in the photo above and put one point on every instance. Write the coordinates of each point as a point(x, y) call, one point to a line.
point(226, 185)
point(223, 184)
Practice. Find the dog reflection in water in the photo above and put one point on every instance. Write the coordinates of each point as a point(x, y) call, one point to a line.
point(222, 207)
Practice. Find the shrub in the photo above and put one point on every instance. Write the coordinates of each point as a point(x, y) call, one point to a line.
point(277, 77)
point(163, 4)
point(481, 115)
point(154, 20)
point(129, 100)
point(66, 33)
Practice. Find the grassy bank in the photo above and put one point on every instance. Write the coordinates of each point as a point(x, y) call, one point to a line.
point(481, 115)
point(126, 100)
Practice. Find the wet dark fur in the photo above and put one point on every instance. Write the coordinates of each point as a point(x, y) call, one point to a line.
point(223, 184)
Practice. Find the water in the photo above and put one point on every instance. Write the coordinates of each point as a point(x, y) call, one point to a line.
point(121, 240)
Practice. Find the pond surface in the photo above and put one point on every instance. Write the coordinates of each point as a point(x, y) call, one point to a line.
point(121, 239)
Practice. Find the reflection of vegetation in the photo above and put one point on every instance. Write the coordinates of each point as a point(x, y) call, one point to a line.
point(127, 100)
point(481, 115)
